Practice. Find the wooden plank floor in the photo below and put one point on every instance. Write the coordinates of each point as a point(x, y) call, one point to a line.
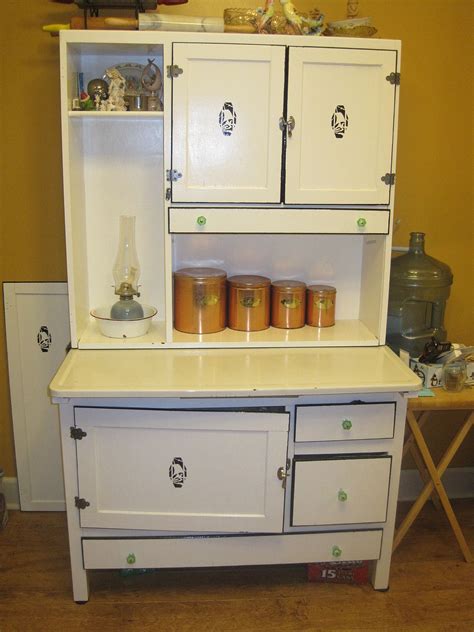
point(432, 589)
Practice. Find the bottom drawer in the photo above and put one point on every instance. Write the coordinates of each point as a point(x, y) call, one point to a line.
point(295, 548)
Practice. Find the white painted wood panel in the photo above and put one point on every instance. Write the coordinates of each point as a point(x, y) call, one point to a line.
point(345, 422)
point(232, 551)
point(37, 327)
point(181, 470)
point(322, 168)
point(227, 144)
point(320, 485)
point(288, 221)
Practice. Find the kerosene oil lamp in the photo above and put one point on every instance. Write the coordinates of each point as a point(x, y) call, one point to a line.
point(126, 272)
point(127, 318)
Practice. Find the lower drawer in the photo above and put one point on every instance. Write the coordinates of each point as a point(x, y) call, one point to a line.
point(334, 491)
point(295, 548)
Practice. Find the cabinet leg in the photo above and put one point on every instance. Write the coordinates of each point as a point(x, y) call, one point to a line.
point(80, 586)
point(381, 573)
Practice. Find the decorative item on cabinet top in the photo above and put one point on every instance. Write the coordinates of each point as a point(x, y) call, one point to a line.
point(127, 318)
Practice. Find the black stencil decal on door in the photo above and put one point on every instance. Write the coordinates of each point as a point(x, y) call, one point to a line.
point(178, 471)
point(339, 121)
point(44, 339)
point(227, 118)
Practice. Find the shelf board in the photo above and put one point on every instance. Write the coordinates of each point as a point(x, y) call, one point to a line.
point(118, 115)
point(344, 333)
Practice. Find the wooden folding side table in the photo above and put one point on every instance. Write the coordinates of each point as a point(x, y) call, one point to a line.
point(418, 413)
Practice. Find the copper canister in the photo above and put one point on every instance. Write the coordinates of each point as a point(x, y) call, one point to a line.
point(200, 300)
point(321, 305)
point(288, 304)
point(249, 302)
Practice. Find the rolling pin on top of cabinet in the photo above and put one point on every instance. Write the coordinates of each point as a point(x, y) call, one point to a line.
point(151, 22)
point(171, 22)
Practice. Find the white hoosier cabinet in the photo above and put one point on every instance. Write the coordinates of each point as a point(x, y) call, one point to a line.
point(273, 155)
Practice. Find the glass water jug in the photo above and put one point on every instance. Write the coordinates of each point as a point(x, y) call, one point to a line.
point(419, 288)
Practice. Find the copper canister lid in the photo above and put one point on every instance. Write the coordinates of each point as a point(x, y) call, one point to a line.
point(292, 286)
point(322, 289)
point(193, 275)
point(249, 281)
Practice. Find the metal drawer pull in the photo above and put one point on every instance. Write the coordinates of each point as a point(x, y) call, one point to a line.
point(342, 495)
point(336, 551)
point(131, 559)
point(347, 424)
point(201, 220)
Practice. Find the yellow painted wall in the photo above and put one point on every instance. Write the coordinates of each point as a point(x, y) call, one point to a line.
point(434, 169)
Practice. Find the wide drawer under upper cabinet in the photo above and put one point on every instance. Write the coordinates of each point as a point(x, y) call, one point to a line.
point(345, 422)
point(340, 490)
point(181, 470)
point(296, 221)
point(295, 548)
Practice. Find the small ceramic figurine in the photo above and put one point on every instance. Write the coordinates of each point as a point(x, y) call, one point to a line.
point(292, 22)
point(98, 91)
point(151, 82)
point(115, 101)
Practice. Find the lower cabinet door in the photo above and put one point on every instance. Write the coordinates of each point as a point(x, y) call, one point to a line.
point(181, 470)
point(295, 548)
point(344, 490)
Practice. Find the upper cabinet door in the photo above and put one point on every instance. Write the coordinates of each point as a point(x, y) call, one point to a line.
point(343, 109)
point(227, 102)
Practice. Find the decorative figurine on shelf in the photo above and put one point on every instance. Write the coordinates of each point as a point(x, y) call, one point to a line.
point(115, 101)
point(98, 91)
point(292, 22)
point(151, 82)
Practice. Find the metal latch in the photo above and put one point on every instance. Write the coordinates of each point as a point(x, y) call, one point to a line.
point(388, 178)
point(77, 433)
point(288, 125)
point(283, 473)
point(173, 71)
point(81, 503)
point(172, 175)
point(393, 78)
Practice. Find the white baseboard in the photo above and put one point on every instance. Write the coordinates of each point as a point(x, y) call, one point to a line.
point(458, 482)
point(10, 489)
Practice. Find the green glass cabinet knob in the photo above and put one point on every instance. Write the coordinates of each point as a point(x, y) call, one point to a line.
point(336, 551)
point(342, 495)
point(201, 220)
point(347, 424)
point(131, 559)
point(361, 222)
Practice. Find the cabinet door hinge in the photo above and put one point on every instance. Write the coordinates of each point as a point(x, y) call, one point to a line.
point(168, 194)
point(388, 178)
point(393, 78)
point(77, 433)
point(172, 175)
point(81, 503)
point(173, 71)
